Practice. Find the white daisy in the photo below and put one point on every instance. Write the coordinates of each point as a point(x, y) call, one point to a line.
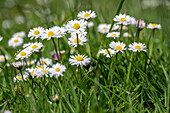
point(49, 33)
point(126, 34)
point(20, 78)
point(86, 15)
point(154, 26)
point(122, 19)
point(29, 62)
point(19, 34)
point(76, 25)
point(118, 46)
point(115, 27)
point(45, 61)
point(25, 53)
point(137, 47)
point(42, 71)
point(113, 34)
point(35, 47)
point(1, 38)
point(90, 24)
point(57, 69)
point(73, 40)
point(80, 33)
point(15, 42)
point(31, 71)
point(103, 28)
point(2, 58)
point(59, 31)
point(124, 27)
point(77, 60)
point(106, 52)
point(17, 65)
point(36, 32)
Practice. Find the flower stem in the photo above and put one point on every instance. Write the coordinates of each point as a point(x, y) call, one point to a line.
point(120, 32)
point(77, 43)
point(55, 47)
point(138, 33)
point(21, 74)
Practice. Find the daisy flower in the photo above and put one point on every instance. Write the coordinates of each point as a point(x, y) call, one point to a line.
point(122, 19)
point(113, 34)
point(90, 24)
point(18, 65)
point(1, 38)
point(124, 27)
point(49, 33)
point(154, 26)
point(126, 34)
point(31, 72)
point(57, 70)
point(41, 71)
point(59, 31)
point(26, 45)
point(19, 34)
point(76, 25)
point(2, 58)
point(118, 46)
point(106, 52)
point(137, 47)
point(133, 21)
point(29, 62)
point(19, 77)
point(80, 33)
point(15, 42)
point(115, 27)
point(45, 61)
point(77, 60)
point(36, 32)
point(86, 15)
point(103, 28)
point(73, 41)
point(25, 53)
point(141, 24)
point(34, 47)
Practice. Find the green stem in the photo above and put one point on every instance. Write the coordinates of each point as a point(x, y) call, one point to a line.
point(55, 47)
point(129, 68)
point(120, 32)
point(117, 12)
point(21, 74)
point(77, 43)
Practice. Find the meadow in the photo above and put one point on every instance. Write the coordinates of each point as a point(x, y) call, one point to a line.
point(56, 58)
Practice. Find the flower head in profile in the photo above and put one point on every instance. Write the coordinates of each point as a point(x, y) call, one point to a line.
point(18, 65)
point(113, 35)
point(115, 27)
point(126, 34)
point(122, 19)
point(76, 25)
point(137, 47)
point(32, 72)
point(79, 60)
point(57, 70)
point(20, 34)
point(103, 28)
point(35, 47)
point(74, 40)
point(15, 42)
point(118, 46)
point(141, 24)
point(19, 77)
point(45, 61)
point(29, 62)
point(107, 52)
point(154, 26)
point(36, 32)
point(86, 15)
point(25, 53)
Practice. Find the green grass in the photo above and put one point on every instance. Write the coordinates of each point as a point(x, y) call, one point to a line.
point(136, 86)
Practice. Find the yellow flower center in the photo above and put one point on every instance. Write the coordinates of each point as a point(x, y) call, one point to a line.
point(113, 34)
point(18, 36)
point(19, 77)
point(44, 71)
point(15, 41)
point(123, 19)
point(79, 58)
point(36, 32)
point(50, 34)
point(113, 27)
point(32, 73)
point(23, 53)
point(39, 67)
point(123, 27)
point(43, 62)
point(2, 58)
point(34, 46)
point(137, 47)
point(56, 98)
point(104, 28)
point(76, 26)
point(153, 25)
point(107, 51)
point(118, 47)
point(75, 40)
point(129, 34)
point(29, 62)
point(15, 88)
point(57, 69)
point(86, 15)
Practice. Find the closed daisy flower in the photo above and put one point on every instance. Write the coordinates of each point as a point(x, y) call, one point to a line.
point(76, 25)
point(79, 60)
point(115, 27)
point(45, 61)
point(137, 47)
point(19, 34)
point(107, 52)
point(15, 42)
point(122, 19)
point(25, 53)
point(113, 34)
point(1, 38)
point(57, 70)
point(36, 32)
point(103, 28)
point(118, 46)
point(86, 15)
point(20, 77)
point(154, 26)
point(35, 47)
point(141, 24)
point(73, 41)
point(31, 72)
point(42, 71)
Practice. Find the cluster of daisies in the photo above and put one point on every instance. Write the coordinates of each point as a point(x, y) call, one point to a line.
point(122, 20)
point(76, 28)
